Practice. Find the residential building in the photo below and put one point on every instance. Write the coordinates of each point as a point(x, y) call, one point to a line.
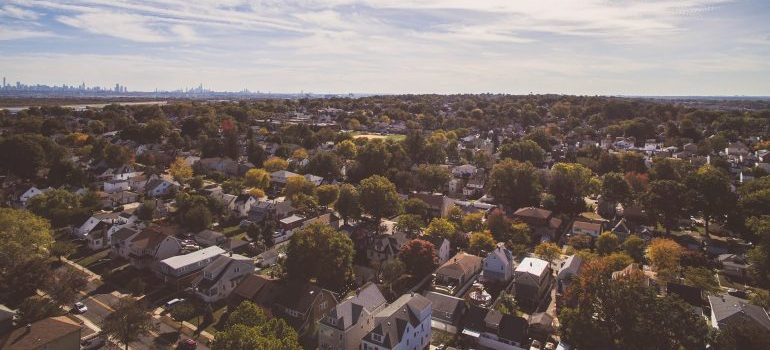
point(454, 274)
point(442, 247)
point(498, 264)
point(569, 269)
point(438, 203)
point(404, 324)
point(490, 329)
point(729, 311)
point(542, 222)
point(52, 333)
point(182, 270)
point(532, 281)
point(147, 248)
point(592, 229)
point(447, 313)
point(346, 324)
point(221, 277)
point(208, 238)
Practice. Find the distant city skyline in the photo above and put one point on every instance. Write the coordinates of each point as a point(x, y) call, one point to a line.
point(660, 47)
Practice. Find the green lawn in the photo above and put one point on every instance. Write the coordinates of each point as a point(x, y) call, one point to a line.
point(232, 231)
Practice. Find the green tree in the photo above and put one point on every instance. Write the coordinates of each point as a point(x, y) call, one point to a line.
point(348, 202)
point(64, 284)
point(274, 164)
point(702, 278)
point(606, 243)
point(327, 194)
point(419, 256)
point(634, 247)
point(713, 196)
point(569, 184)
point(473, 222)
point(60, 206)
point(523, 151)
point(249, 327)
point(759, 256)
point(324, 164)
point(433, 177)
point(379, 197)
point(128, 322)
point(61, 249)
point(666, 202)
point(514, 184)
point(321, 252)
point(410, 224)
point(481, 242)
point(615, 189)
point(23, 236)
point(197, 218)
point(346, 149)
point(507, 304)
point(182, 312)
point(664, 255)
point(418, 207)
point(440, 227)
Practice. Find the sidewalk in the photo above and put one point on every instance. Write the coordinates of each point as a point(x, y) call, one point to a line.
point(91, 275)
point(187, 327)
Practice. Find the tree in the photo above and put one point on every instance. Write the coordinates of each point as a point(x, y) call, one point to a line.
point(702, 278)
point(22, 155)
point(580, 241)
point(327, 194)
point(419, 256)
point(606, 243)
point(197, 218)
point(391, 270)
point(64, 284)
point(410, 224)
point(519, 238)
point(346, 149)
point(615, 189)
point(548, 251)
point(666, 202)
point(249, 327)
point(61, 249)
point(23, 237)
point(418, 207)
point(507, 304)
point(713, 196)
point(499, 225)
point(296, 186)
point(274, 164)
point(182, 312)
point(347, 203)
point(60, 206)
point(569, 184)
point(481, 242)
point(180, 170)
point(320, 251)
point(514, 184)
point(664, 255)
point(440, 227)
point(324, 164)
point(379, 197)
point(146, 210)
point(258, 178)
point(605, 313)
point(35, 308)
point(128, 322)
point(433, 177)
point(523, 151)
point(759, 256)
point(473, 222)
point(634, 247)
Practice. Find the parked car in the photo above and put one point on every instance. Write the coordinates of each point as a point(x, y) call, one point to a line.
point(170, 304)
point(79, 307)
point(187, 344)
point(93, 341)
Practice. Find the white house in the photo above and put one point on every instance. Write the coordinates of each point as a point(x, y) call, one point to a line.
point(110, 218)
point(405, 324)
point(242, 204)
point(498, 265)
point(160, 187)
point(30, 193)
point(221, 276)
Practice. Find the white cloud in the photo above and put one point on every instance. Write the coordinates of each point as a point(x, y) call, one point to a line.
point(7, 33)
point(17, 13)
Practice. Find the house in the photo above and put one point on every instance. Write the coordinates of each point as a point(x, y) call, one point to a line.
point(540, 325)
point(592, 229)
point(346, 324)
point(52, 333)
point(122, 197)
point(227, 200)
point(223, 165)
point(182, 270)
point(729, 311)
point(160, 187)
point(110, 218)
point(31, 193)
point(737, 149)
point(542, 222)
point(448, 311)
point(123, 172)
point(454, 274)
point(439, 204)
point(147, 248)
point(279, 178)
point(475, 186)
point(208, 238)
point(736, 266)
point(569, 269)
point(222, 276)
point(532, 281)
point(119, 241)
point(113, 186)
point(443, 247)
point(243, 204)
point(405, 324)
point(301, 305)
point(464, 171)
point(498, 265)
point(98, 239)
point(489, 329)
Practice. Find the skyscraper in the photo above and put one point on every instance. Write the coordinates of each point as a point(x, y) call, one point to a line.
point(3, 82)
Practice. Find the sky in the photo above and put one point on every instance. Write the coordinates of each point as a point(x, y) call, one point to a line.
point(588, 47)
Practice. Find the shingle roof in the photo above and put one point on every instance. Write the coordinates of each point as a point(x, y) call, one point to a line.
point(532, 266)
point(39, 334)
point(727, 307)
point(348, 312)
point(462, 264)
point(178, 261)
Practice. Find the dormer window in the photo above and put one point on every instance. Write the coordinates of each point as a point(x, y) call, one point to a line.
point(377, 337)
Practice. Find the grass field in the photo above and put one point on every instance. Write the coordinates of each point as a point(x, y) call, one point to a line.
point(394, 137)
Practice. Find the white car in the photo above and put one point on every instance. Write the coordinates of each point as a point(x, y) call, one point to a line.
point(170, 304)
point(80, 307)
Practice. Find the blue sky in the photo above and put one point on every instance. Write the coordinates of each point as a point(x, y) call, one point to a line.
point(667, 47)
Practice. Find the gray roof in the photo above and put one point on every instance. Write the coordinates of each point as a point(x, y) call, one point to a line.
point(726, 307)
point(347, 313)
point(392, 320)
